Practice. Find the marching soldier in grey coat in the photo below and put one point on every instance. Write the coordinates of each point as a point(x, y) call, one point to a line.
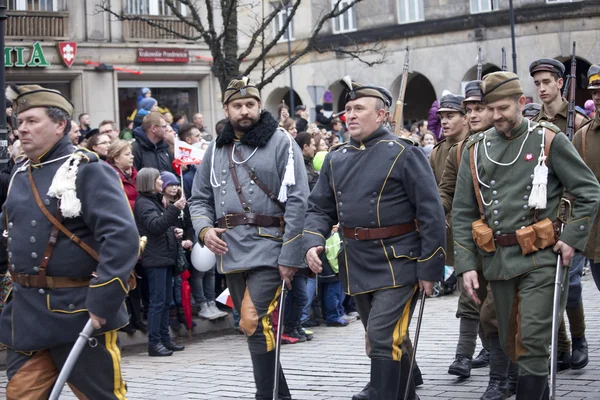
point(248, 206)
point(68, 270)
point(379, 188)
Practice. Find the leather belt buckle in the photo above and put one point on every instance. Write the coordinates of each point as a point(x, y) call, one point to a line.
point(362, 230)
point(227, 226)
point(23, 279)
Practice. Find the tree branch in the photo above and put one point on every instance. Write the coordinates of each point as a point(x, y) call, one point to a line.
point(263, 26)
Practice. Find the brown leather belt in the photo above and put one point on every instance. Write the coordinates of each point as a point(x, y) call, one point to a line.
point(359, 233)
point(510, 239)
point(48, 282)
point(231, 220)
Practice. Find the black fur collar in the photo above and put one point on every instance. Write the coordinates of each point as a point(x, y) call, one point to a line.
point(258, 136)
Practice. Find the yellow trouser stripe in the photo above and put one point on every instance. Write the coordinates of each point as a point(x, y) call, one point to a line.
point(118, 383)
point(266, 322)
point(401, 328)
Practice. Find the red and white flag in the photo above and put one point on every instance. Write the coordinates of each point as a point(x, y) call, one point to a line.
point(225, 298)
point(186, 154)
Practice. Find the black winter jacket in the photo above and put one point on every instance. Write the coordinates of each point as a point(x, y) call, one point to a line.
point(149, 155)
point(156, 223)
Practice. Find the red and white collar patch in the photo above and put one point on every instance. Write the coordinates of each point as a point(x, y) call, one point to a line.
point(529, 157)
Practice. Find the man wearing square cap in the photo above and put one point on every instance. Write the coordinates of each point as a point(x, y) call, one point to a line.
point(61, 279)
point(505, 211)
point(587, 143)
point(248, 206)
point(378, 187)
point(547, 75)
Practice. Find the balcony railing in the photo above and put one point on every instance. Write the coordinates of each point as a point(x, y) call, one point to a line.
point(141, 30)
point(37, 25)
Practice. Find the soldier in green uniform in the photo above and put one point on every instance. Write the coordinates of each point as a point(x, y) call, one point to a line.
point(455, 129)
point(504, 212)
point(587, 143)
point(547, 75)
point(376, 186)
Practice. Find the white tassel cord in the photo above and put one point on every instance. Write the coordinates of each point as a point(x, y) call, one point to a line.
point(538, 197)
point(64, 187)
point(289, 177)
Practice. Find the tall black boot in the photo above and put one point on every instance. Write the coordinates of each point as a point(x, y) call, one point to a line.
point(264, 370)
point(404, 368)
point(532, 387)
point(499, 363)
point(363, 394)
point(385, 379)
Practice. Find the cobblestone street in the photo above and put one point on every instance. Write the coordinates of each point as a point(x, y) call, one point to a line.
point(333, 365)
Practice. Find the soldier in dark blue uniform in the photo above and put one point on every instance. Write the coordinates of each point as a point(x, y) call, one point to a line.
point(67, 271)
point(382, 192)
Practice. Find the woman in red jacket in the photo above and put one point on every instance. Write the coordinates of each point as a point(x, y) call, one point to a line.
point(121, 158)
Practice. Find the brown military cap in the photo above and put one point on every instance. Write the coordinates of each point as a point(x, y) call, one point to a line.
point(451, 102)
point(356, 90)
point(32, 96)
point(499, 85)
point(240, 89)
point(547, 65)
point(473, 92)
point(593, 76)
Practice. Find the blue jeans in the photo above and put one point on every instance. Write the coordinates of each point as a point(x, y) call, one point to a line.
point(575, 274)
point(311, 286)
point(203, 285)
point(342, 297)
point(176, 291)
point(295, 302)
point(330, 301)
point(161, 295)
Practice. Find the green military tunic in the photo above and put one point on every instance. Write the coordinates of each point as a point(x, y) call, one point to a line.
point(592, 149)
point(561, 117)
point(505, 169)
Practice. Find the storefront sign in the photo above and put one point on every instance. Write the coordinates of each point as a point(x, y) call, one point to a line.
point(156, 55)
point(36, 59)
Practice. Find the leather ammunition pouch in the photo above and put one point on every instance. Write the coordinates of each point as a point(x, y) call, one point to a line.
point(531, 238)
point(526, 238)
point(483, 236)
point(545, 234)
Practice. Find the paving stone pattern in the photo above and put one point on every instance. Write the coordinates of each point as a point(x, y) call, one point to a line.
point(333, 365)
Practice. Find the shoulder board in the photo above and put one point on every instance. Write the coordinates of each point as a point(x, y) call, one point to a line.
point(86, 155)
point(586, 122)
point(439, 143)
point(584, 115)
point(471, 140)
point(409, 141)
point(551, 126)
point(336, 147)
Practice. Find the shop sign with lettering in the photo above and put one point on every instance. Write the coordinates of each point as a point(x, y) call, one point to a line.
point(162, 55)
point(15, 56)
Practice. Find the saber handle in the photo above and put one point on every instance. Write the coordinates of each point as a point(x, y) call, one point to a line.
point(278, 339)
point(415, 343)
point(84, 337)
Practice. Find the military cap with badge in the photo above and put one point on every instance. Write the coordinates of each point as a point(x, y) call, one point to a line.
point(593, 77)
point(355, 90)
point(450, 103)
point(473, 92)
point(32, 96)
point(547, 65)
point(240, 89)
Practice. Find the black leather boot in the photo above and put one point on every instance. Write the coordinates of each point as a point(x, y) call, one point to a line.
point(482, 360)
point(461, 367)
point(404, 368)
point(417, 376)
point(263, 366)
point(531, 387)
point(158, 350)
point(170, 345)
point(364, 394)
point(579, 356)
point(499, 363)
point(385, 379)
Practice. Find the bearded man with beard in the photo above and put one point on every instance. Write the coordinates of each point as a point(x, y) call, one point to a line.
point(504, 210)
point(248, 204)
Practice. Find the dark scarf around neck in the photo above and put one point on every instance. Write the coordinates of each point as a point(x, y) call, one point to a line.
point(257, 136)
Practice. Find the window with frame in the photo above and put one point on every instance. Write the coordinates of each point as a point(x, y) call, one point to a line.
point(480, 6)
point(35, 5)
point(345, 22)
point(279, 21)
point(410, 11)
point(153, 7)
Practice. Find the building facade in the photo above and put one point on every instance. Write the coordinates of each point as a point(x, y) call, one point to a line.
point(444, 37)
point(102, 64)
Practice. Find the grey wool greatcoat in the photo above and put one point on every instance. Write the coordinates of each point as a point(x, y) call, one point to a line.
point(380, 182)
point(265, 147)
point(34, 318)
